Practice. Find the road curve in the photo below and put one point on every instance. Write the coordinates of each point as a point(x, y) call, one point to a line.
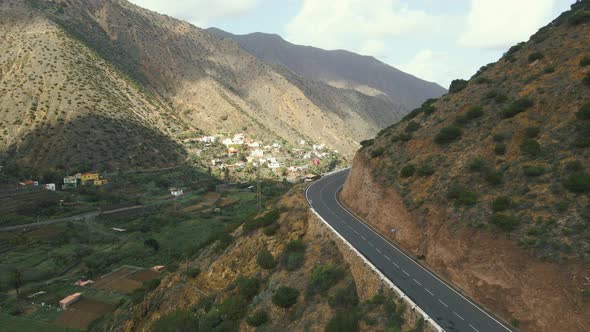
point(451, 310)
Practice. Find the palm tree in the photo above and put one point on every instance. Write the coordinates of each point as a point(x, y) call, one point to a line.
point(17, 279)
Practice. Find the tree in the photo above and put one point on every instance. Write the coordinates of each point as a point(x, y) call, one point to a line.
point(17, 279)
point(152, 243)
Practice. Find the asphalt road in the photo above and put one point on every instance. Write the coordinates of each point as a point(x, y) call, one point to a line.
point(451, 310)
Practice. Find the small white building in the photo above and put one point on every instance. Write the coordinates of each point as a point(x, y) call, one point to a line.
point(216, 162)
point(207, 139)
point(254, 145)
point(50, 186)
point(227, 141)
point(276, 145)
point(302, 142)
point(176, 192)
point(257, 153)
point(273, 163)
point(68, 300)
point(239, 139)
point(318, 146)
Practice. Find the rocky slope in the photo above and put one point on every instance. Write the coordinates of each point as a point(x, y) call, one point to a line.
point(350, 294)
point(78, 77)
point(489, 184)
point(340, 69)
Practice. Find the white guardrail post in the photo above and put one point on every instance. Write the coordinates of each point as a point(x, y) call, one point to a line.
point(399, 292)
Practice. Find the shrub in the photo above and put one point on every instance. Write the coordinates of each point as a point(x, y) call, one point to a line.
point(233, 308)
point(490, 94)
point(535, 56)
point(501, 203)
point(271, 229)
point(265, 259)
point(505, 222)
point(512, 50)
point(367, 143)
point(474, 112)
point(377, 152)
point(178, 320)
point(344, 297)
point(461, 195)
point(343, 321)
point(425, 169)
point(584, 112)
point(574, 166)
point(585, 61)
point(500, 149)
point(518, 106)
point(549, 69)
point(578, 183)
point(295, 260)
point(482, 80)
point(533, 170)
point(531, 147)
point(586, 79)
point(579, 17)
point(500, 99)
point(407, 171)
point(248, 287)
point(285, 297)
point(412, 126)
point(258, 318)
point(477, 164)
point(323, 277)
point(293, 255)
point(532, 132)
point(499, 137)
point(193, 272)
point(457, 85)
point(263, 221)
point(494, 177)
point(448, 134)
point(582, 139)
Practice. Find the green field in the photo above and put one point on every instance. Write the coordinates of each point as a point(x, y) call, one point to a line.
point(12, 323)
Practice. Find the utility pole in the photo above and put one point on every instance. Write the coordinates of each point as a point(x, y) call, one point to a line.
point(258, 192)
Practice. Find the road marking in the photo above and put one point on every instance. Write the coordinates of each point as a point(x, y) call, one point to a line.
point(371, 245)
point(379, 251)
point(456, 314)
point(429, 292)
point(473, 328)
point(362, 237)
point(439, 300)
point(406, 273)
point(355, 232)
point(416, 281)
point(396, 265)
point(386, 257)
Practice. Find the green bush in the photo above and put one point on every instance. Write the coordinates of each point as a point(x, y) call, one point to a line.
point(293, 255)
point(582, 139)
point(586, 79)
point(531, 147)
point(457, 85)
point(323, 277)
point(501, 203)
point(247, 287)
point(518, 106)
point(263, 221)
point(494, 177)
point(193, 272)
point(461, 195)
point(344, 297)
point(178, 320)
point(490, 94)
point(482, 80)
point(448, 134)
point(505, 222)
point(532, 132)
point(499, 137)
point(258, 318)
point(585, 61)
point(579, 17)
point(367, 143)
point(512, 50)
point(477, 164)
point(425, 169)
point(271, 229)
point(532, 171)
point(265, 259)
point(500, 99)
point(500, 149)
point(412, 126)
point(233, 308)
point(474, 112)
point(343, 321)
point(578, 183)
point(584, 112)
point(377, 152)
point(295, 260)
point(535, 56)
point(549, 69)
point(407, 171)
point(574, 166)
point(285, 297)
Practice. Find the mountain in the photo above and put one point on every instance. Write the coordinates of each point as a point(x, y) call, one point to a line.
point(489, 184)
point(341, 69)
point(104, 82)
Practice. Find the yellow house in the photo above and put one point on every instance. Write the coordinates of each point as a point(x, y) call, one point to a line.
point(90, 177)
point(100, 182)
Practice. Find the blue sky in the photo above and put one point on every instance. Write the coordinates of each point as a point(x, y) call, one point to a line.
point(432, 39)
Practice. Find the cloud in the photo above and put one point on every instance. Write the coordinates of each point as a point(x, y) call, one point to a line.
point(500, 23)
point(434, 66)
point(199, 12)
point(345, 23)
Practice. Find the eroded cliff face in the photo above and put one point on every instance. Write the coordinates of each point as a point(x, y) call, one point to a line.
point(488, 267)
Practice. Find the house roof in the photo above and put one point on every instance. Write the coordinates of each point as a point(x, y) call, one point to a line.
point(69, 298)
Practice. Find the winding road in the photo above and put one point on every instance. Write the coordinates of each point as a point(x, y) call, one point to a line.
point(451, 310)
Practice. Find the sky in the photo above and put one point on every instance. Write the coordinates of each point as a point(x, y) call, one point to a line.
point(432, 39)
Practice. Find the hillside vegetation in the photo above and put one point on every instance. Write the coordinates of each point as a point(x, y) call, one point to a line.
point(490, 183)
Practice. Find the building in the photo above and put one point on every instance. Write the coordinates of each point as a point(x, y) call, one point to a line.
point(29, 183)
point(216, 162)
point(158, 268)
point(254, 145)
point(318, 146)
point(176, 192)
point(273, 163)
point(257, 153)
point(70, 182)
point(207, 139)
point(50, 186)
point(84, 283)
point(232, 152)
point(68, 300)
point(89, 177)
point(100, 182)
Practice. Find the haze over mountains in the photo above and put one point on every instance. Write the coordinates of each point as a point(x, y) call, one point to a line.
point(75, 73)
point(339, 68)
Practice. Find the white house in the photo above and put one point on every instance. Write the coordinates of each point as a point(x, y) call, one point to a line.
point(176, 192)
point(208, 139)
point(257, 153)
point(254, 145)
point(216, 162)
point(318, 146)
point(273, 163)
point(276, 145)
point(227, 141)
point(302, 142)
point(238, 139)
point(307, 156)
point(50, 186)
